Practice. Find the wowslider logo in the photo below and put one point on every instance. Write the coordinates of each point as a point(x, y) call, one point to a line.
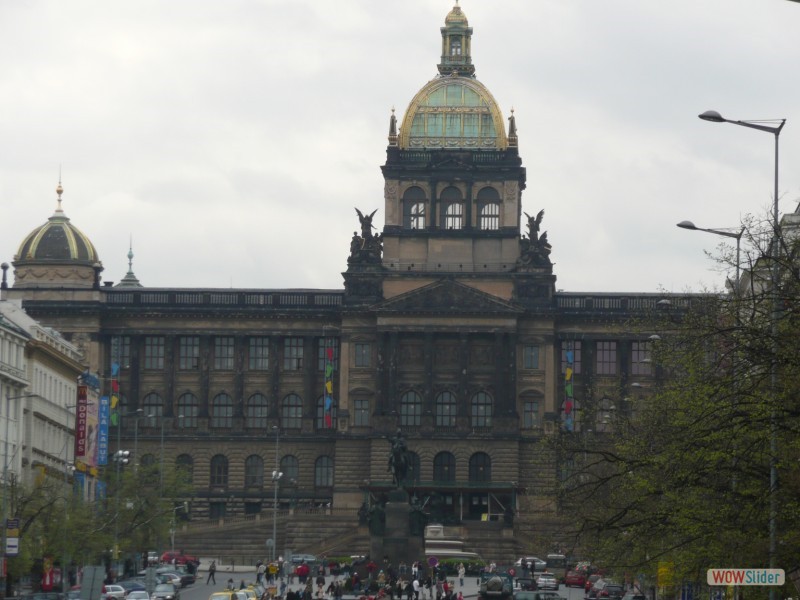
point(746, 577)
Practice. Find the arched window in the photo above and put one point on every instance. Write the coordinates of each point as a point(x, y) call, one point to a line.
point(291, 412)
point(184, 463)
point(323, 472)
point(452, 208)
point(444, 467)
point(188, 407)
point(218, 476)
point(410, 409)
point(412, 475)
point(254, 471)
point(222, 411)
point(480, 467)
point(290, 467)
point(488, 209)
point(257, 409)
point(446, 409)
point(481, 410)
point(152, 409)
point(326, 419)
point(414, 208)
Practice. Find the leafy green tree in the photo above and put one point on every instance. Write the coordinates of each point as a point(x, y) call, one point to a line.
point(682, 474)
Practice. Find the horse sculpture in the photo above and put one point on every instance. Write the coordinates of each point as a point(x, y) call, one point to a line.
point(398, 459)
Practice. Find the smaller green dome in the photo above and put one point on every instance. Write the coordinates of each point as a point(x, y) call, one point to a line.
point(58, 240)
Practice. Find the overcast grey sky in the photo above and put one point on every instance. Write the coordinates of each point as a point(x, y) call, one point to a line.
point(232, 139)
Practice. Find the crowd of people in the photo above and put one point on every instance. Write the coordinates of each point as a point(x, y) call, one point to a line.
point(279, 580)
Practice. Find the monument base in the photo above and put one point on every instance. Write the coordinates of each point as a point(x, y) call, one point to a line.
point(397, 545)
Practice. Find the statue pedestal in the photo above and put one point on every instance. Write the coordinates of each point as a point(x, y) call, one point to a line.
point(397, 544)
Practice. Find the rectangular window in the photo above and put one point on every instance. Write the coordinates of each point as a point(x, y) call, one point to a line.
point(361, 408)
point(153, 352)
point(606, 358)
point(363, 354)
point(571, 350)
point(188, 353)
point(322, 353)
point(292, 354)
point(121, 350)
point(640, 358)
point(530, 357)
point(530, 414)
point(259, 354)
point(223, 353)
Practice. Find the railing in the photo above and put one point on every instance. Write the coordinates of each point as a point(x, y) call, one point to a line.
point(232, 298)
point(423, 267)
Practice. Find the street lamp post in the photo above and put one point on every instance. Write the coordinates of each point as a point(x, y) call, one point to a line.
point(137, 415)
point(737, 236)
point(276, 477)
point(775, 129)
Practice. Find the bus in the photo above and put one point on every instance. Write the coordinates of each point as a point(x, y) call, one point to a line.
point(557, 565)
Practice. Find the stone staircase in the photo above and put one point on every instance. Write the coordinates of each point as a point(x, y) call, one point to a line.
point(243, 540)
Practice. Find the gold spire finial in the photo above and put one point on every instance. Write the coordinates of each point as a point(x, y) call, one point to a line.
point(59, 191)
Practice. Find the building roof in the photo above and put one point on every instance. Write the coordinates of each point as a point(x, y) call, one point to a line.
point(57, 241)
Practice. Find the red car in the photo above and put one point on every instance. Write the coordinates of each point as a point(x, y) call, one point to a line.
point(590, 582)
point(575, 579)
point(180, 559)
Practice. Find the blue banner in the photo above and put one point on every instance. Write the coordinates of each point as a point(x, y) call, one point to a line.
point(103, 418)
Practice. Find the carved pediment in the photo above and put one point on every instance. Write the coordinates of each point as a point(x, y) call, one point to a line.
point(448, 297)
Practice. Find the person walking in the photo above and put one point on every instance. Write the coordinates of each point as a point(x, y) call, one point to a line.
point(461, 572)
point(212, 569)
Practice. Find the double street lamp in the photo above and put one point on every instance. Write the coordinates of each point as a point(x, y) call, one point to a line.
point(773, 126)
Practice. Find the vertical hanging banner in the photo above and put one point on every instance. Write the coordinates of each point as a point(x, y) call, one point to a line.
point(568, 407)
point(81, 421)
point(103, 418)
point(114, 408)
point(328, 395)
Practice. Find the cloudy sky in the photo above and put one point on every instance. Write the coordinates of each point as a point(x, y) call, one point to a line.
point(232, 139)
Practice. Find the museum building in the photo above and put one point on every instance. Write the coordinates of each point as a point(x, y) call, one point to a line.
point(448, 327)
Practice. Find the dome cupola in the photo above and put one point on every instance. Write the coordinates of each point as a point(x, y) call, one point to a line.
point(56, 253)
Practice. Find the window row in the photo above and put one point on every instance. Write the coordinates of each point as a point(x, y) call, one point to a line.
point(290, 411)
point(254, 473)
point(221, 411)
point(607, 357)
point(445, 409)
point(479, 469)
point(451, 209)
point(221, 352)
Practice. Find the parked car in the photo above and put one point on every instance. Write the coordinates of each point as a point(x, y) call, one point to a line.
point(524, 584)
point(165, 591)
point(575, 579)
point(138, 595)
point(152, 558)
point(631, 595)
point(537, 595)
point(590, 581)
point(547, 581)
point(536, 564)
point(178, 558)
point(169, 577)
point(112, 592)
point(611, 591)
point(132, 585)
